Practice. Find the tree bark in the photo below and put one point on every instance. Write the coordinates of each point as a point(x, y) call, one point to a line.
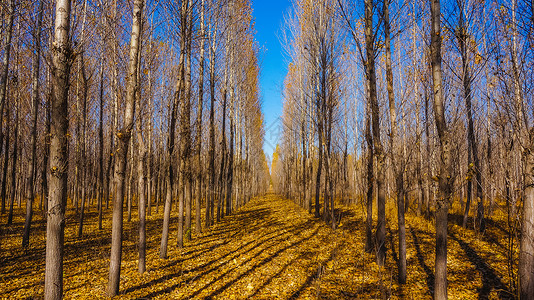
point(370, 186)
point(5, 168)
point(198, 226)
point(141, 172)
point(123, 140)
point(442, 209)
point(184, 186)
point(33, 134)
point(5, 64)
point(526, 253)
point(397, 159)
point(57, 197)
point(101, 142)
point(211, 151)
point(377, 145)
point(16, 136)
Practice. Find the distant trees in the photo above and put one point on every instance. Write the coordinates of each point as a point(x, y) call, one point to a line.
point(311, 110)
point(445, 74)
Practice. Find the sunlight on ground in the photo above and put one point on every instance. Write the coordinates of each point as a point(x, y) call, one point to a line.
point(269, 249)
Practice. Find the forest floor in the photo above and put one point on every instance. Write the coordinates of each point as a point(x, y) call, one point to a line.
point(269, 249)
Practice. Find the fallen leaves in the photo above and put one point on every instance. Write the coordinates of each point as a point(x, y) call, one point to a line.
point(271, 248)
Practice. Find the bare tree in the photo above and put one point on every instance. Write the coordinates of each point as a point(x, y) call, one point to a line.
point(35, 105)
point(123, 140)
point(57, 198)
point(442, 209)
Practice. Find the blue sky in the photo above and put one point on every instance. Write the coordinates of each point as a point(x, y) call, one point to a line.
point(269, 16)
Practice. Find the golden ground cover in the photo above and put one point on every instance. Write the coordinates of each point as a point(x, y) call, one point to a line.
point(269, 249)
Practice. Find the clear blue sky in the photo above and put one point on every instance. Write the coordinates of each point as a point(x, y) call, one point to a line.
point(269, 17)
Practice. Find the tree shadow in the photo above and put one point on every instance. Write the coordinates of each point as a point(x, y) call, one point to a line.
point(421, 259)
point(271, 240)
point(314, 276)
point(490, 280)
point(227, 256)
point(264, 261)
point(219, 237)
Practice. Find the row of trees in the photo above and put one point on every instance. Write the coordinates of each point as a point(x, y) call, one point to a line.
point(139, 100)
point(422, 102)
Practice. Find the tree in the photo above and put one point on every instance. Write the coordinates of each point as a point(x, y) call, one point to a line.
point(5, 69)
point(123, 139)
point(198, 227)
point(35, 104)
point(57, 198)
point(397, 159)
point(444, 177)
point(375, 122)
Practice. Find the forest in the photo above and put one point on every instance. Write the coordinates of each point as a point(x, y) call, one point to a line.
point(133, 162)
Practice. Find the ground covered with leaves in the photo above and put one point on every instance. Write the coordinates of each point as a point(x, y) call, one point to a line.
point(269, 249)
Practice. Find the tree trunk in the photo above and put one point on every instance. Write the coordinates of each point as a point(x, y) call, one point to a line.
point(5, 64)
point(211, 152)
point(526, 253)
point(123, 140)
point(184, 186)
point(5, 168)
point(101, 142)
point(169, 173)
point(13, 189)
point(442, 209)
point(397, 158)
point(35, 108)
point(377, 145)
point(186, 124)
point(319, 167)
point(57, 197)
point(46, 155)
point(198, 226)
point(220, 200)
point(141, 178)
point(370, 186)
point(230, 173)
point(141, 174)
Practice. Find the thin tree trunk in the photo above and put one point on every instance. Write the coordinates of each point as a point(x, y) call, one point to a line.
point(5, 63)
point(319, 167)
point(370, 186)
point(169, 174)
point(230, 174)
point(14, 158)
point(101, 142)
point(442, 209)
point(35, 108)
point(185, 133)
point(211, 151)
point(141, 174)
point(123, 139)
point(377, 144)
point(198, 227)
point(397, 160)
point(5, 168)
point(220, 200)
point(526, 253)
point(186, 124)
point(46, 158)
